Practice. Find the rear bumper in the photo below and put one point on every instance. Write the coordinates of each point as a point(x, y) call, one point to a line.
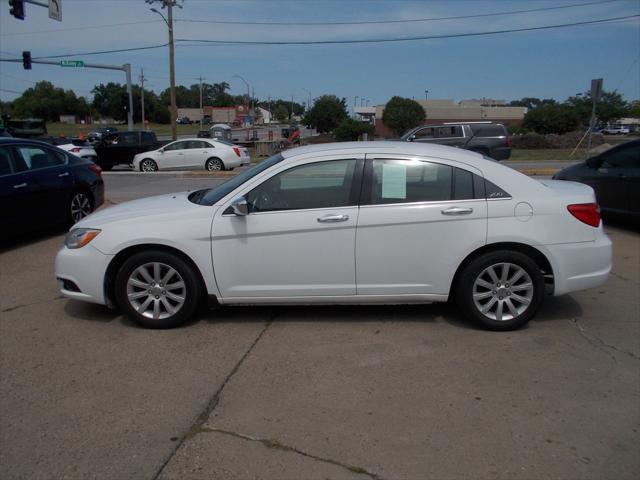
point(578, 266)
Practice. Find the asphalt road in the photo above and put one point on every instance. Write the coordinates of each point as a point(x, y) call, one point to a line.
point(395, 392)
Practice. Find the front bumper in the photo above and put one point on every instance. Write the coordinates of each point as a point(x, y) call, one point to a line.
point(578, 266)
point(82, 269)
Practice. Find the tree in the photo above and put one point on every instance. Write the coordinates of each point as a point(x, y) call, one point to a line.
point(327, 113)
point(634, 109)
point(552, 118)
point(350, 129)
point(48, 102)
point(401, 114)
point(611, 106)
point(281, 114)
point(532, 102)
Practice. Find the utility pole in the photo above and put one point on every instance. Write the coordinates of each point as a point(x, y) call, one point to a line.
point(291, 117)
point(142, 97)
point(173, 109)
point(355, 104)
point(127, 71)
point(201, 111)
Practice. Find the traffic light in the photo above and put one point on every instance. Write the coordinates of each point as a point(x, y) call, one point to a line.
point(16, 8)
point(124, 98)
point(26, 60)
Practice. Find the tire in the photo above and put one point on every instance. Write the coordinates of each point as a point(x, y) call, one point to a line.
point(214, 165)
point(106, 168)
point(141, 290)
point(148, 165)
point(80, 205)
point(496, 299)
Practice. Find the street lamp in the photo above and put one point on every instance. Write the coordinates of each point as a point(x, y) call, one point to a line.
point(172, 69)
point(247, 84)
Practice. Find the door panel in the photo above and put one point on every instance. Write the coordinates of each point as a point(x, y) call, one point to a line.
point(411, 238)
point(284, 247)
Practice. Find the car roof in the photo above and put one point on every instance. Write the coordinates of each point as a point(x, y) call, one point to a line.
point(13, 140)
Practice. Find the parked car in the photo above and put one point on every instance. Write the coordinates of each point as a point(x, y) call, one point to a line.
point(210, 154)
point(616, 130)
point(121, 147)
point(615, 177)
point(41, 185)
point(204, 134)
point(27, 128)
point(97, 133)
point(184, 121)
point(360, 222)
point(79, 147)
point(489, 139)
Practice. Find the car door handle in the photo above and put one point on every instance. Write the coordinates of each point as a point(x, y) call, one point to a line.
point(333, 218)
point(20, 185)
point(65, 174)
point(457, 211)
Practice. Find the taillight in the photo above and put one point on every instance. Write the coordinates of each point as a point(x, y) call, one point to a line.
point(588, 213)
point(509, 141)
point(95, 169)
point(76, 149)
point(237, 150)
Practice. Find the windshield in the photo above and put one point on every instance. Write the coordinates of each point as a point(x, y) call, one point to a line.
point(210, 196)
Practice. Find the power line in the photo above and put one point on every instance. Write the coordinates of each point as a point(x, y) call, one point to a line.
point(383, 22)
point(401, 39)
point(90, 27)
point(133, 49)
point(10, 91)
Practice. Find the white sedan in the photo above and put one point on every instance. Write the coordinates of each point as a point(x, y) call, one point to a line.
point(211, 154)
point(347, 223)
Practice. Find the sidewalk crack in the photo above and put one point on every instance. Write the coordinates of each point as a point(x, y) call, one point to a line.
point(275, 444)
point(213, 402)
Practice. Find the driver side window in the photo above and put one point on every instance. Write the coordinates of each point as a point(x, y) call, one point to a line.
point(314, 185)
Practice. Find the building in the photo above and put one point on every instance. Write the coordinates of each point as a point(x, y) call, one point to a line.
point(473, 110)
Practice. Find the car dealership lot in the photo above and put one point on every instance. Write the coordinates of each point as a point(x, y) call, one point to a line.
point(314, 392)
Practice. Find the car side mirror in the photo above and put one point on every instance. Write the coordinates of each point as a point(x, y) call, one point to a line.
point(412, 138)
point(240, 206)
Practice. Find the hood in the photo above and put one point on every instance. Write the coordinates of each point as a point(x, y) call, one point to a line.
point(149, 208)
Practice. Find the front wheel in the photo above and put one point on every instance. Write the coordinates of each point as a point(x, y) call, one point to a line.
point(157, 289)
point(148, 165)
point(500, 290)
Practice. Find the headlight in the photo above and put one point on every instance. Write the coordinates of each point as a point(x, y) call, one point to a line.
point(79, 237)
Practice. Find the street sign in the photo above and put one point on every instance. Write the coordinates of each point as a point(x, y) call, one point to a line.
point(55, 10)
point(71, 63)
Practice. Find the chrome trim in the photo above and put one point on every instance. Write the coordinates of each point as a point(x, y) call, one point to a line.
point(456, 211)
point(20, 185)
point(333, 218)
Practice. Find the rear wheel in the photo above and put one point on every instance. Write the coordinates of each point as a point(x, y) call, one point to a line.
point(500, 290)
point(148, 165)
point(157, 289)
point(214, 165)
point(80, 206)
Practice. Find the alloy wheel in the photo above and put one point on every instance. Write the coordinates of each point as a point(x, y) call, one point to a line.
point(80, 206)
point(156, 290)
point(503, 291)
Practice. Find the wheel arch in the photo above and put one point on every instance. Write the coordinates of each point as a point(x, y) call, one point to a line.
point(124, 254)
point(147, 158)
point(224, 167)
point(536, 255)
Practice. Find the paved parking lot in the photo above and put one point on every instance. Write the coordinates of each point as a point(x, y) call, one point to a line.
point(396, 392)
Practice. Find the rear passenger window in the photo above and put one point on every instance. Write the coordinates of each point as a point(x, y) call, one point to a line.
point(403, 181)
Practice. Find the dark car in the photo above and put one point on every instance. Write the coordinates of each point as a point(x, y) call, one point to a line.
point(489, 139)
point(97, 133)
point(204, 134)
point(41, 185)
point(615, 177)
point(120, 147)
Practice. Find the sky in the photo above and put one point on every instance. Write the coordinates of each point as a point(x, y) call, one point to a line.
point(553, 63)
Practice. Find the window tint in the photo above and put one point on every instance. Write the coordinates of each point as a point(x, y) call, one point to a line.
point(37, 157)
point(6, 165)
point(314, 185)
point(401, 181)
point(425, 133)
point(452, 131)
point(624, 158)
point(198, 144)
point(148, 137)
point(176, 146)
point(127, 138)
point(488, 130)
point(463, 185)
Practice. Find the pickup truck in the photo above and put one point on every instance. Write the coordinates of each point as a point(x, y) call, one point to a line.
point(119, 148)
